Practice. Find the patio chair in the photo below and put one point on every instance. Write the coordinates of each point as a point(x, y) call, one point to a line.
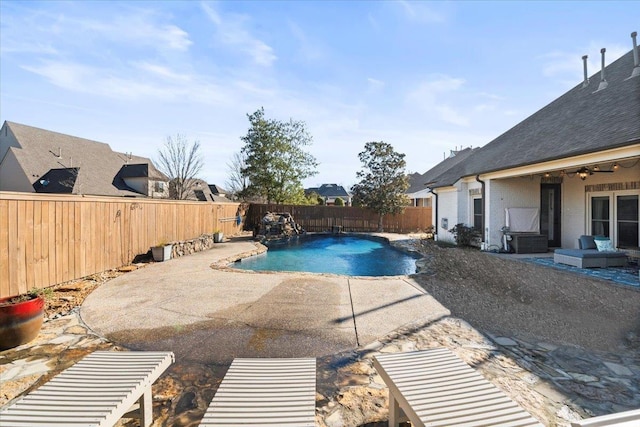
point(621, 419)
point(436, 388)
point(265, 392)
point(97, 391)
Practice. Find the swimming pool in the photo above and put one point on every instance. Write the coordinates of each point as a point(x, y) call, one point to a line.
point(336, 254)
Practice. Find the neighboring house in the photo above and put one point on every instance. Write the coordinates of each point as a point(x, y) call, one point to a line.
point(42, 161)
point(574, 166)
point(330, 192)
point(419, 191)
point(205, 193)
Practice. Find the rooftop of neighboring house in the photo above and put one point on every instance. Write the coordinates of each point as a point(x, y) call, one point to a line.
point(217, 190)
point(584, 120)
point(328, 190)
point(59, 163)
point(203, 192)
point(419, 182)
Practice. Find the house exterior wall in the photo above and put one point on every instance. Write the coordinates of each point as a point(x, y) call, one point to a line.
point(521, 192)
point(573, 210)
point(12, 177)
point(576, 198)
point(447, 209)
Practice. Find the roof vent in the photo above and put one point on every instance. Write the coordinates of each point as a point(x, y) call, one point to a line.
point(585, 83)
point(603, 81)
point(636, 63)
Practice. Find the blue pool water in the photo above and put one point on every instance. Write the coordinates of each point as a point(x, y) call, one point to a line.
point(347, 255)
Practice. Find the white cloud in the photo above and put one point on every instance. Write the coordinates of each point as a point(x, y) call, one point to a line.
point(232, 31)
point(309, 51)
point(427, 96)
point(420, 12)
point(161, 71)
point(568, 66)
point(374, 85)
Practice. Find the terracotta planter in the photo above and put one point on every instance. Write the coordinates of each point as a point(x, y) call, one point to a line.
point(20, 322)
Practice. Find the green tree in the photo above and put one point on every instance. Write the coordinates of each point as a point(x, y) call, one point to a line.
point(275, 158)
point(181, 162)
point(383, 181)
point(339, 202)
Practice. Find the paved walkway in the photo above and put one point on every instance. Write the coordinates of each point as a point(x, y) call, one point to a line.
point(236, 313)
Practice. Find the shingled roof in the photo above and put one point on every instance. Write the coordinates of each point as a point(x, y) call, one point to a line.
point(328, 190)
point(582, 121)
point(418, 182)
point(44, 155)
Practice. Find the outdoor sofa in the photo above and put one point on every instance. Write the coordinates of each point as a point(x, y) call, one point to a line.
point(588, 255)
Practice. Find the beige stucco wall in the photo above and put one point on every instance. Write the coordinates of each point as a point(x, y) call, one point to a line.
point(12, 177)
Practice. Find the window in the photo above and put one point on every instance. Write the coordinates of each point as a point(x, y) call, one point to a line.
point(477, 214)
point(600, 216)
point(615, 215)
point(159, 186)
point(627, 221)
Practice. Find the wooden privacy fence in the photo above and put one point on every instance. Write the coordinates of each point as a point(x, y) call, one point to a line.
point(324, 218)
point(49, 239)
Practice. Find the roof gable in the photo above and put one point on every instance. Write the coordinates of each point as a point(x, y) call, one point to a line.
point(583, 120)
point(41, 153)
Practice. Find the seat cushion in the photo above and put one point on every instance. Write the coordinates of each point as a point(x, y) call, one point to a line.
point(586, 242)
point(589, 253)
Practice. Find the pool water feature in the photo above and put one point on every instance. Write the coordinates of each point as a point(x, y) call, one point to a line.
point(335, 254)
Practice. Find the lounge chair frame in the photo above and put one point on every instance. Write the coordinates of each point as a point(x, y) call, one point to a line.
point(620, 419)
point(436, 388)
point(97, 391)
point(265, 392)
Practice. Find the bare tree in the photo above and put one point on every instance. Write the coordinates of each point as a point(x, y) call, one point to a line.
point(237, 183)
point(181, 161)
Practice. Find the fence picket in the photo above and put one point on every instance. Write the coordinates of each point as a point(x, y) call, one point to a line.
point(49, 238)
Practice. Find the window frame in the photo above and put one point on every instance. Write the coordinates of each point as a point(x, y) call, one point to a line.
point(613, 212)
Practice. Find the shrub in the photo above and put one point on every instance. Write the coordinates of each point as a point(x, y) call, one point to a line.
point(464, 235)
point(339, 202)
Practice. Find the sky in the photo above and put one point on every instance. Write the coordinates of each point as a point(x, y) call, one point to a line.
point(426, 77)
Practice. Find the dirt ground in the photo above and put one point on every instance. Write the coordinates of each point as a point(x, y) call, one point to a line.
point(511, 297)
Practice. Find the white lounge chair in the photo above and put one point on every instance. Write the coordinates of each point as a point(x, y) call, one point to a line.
point(97, 391)
point(436, 388)
point(265, 392)
point(621, 419)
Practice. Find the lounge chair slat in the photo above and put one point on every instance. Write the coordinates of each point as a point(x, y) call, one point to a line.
point(436, 388)
point(264, 392)
point(82, 395)
point(620, 419)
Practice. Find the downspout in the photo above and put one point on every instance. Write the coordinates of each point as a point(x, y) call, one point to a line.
point(435, 226)
point(482, 194)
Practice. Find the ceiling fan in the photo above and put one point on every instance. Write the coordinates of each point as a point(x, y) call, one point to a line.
point(584, 171)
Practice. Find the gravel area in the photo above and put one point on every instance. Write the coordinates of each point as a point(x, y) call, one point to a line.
point(514, 298)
